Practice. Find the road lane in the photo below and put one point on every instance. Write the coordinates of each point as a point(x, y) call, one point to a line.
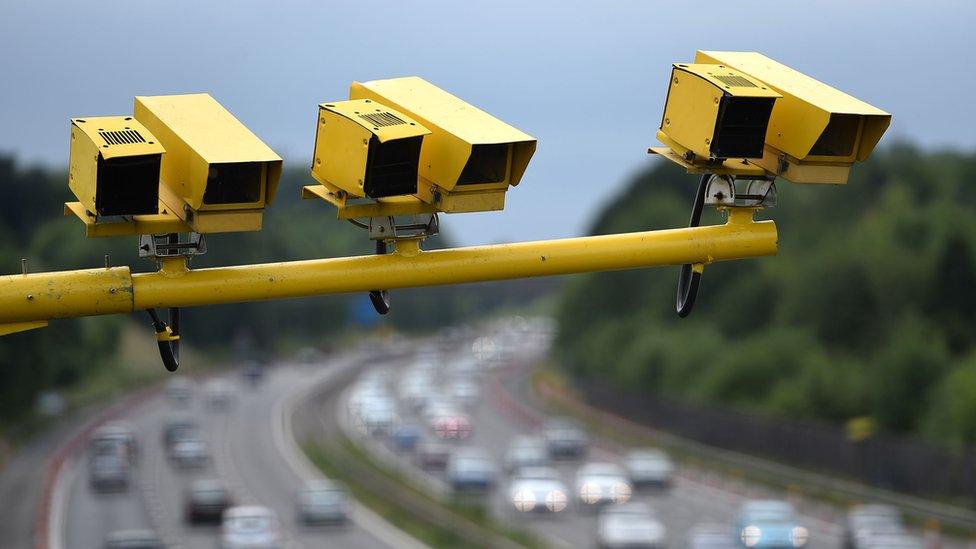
point(245, 457)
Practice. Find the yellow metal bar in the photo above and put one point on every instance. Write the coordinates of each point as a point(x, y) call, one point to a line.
point(42, 296)
point(105, 291)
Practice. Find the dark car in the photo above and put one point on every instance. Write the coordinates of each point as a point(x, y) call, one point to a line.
point(565, 439)
point(206, 501)
point(406, 437)
point(109, 473)
point(133, 539)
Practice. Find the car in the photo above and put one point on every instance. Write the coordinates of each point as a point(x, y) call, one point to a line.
point(769, 523)
point(471, 470)
point(179, 391)
point(189, 454)
point(631, 525)
point(537, 490)
point(378, 416)
point(451, 425)
point(866, 522)
point(708, 535)
point(133, 539)
point(206, 501)
point(406, 437)
point(109, 473)
point(649, 468)
point(115, 437)
point(180, 429)
point(252, 373)
point(525, 451)
point(414, 389)
point(433, 456)
point(218, 395)
point(564, 439)
point(601, 483)
point(323, 502)
point(250, 527)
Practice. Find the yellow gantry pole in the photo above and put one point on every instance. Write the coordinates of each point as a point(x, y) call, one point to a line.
point(36, 297)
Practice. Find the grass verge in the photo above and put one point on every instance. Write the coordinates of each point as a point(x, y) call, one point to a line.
point(410, 509)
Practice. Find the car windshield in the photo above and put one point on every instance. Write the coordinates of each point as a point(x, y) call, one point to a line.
point(250, 524)
point(324, 497)
point(210, 495)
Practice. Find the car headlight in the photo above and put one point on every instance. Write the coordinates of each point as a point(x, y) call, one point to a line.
point(799, 536)
point(556, 501)
point(620, 492)
point(524, 500)
point(590, 492)
point(750, 535)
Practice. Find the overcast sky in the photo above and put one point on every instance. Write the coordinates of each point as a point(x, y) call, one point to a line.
point(587, 80)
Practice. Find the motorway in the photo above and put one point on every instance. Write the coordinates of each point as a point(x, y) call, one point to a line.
point(695, 497)
point(255, 453)
point(247, 455)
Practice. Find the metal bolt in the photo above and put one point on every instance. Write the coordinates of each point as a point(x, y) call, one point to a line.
point(111, 290)
point(30, 297)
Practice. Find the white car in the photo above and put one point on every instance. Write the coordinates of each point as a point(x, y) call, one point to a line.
point(378, 416)
point(218, 394)
point(538, 490)
point(630, 525)
point(649, 468)
point(250, 527)
point(600, 483)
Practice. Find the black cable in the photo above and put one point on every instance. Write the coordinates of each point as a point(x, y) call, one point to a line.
point(380, 298)
point(688, 279)
point(169, 351)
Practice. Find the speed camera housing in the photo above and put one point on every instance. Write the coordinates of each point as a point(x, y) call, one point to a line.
point(469, 159)
point(815, 131)
point(114, 166)
point(366, 149)
point(714, 112)
point(217, 175)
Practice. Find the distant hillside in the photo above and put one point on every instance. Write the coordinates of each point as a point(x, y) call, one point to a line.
point(869, 308)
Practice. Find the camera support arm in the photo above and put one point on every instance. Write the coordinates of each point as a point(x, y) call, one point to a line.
point(28, 300)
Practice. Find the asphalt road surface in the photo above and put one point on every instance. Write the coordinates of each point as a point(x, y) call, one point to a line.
point(245, 455)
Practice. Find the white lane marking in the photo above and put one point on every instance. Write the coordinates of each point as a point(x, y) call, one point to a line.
point(59, 509)
point(284, 439)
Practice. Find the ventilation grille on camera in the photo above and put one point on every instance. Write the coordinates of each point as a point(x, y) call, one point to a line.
point(380, 119)
point(735, 81)
point(122, 137)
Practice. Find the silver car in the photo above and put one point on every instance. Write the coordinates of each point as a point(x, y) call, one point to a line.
point(525, 451)
point(649, 468)
point(537, 490)
point(250, 527)
point(323, 502)
point(189, 454)
point(472, 470)
point(631, 525)
point(600, 483)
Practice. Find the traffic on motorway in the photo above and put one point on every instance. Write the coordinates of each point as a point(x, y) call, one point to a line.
point(200, 465)
point(439, 417)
